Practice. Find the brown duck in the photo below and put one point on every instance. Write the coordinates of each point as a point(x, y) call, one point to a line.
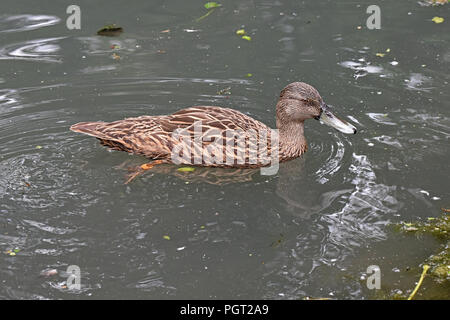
point(160, 137)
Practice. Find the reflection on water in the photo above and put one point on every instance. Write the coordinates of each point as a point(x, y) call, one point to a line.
point(361, 68)
point(416, 82)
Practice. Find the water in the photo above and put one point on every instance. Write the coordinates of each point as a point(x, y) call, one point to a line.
point(309, 231)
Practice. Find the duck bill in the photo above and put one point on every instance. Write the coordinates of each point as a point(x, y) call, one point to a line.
point(330, 119)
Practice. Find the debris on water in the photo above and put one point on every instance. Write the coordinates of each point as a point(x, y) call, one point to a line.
point(248, 38)
point(248, 75)
point(277, 242)
point(38, 147)
point(427, 3)
point(437, 19)
point(110, 30)
point(115, 56)
point(240, 32)
point(165, 31)
point(425, 269)
point(166, 237)
point(186, 169)
point(211, 5)
point(381, 54)
point(115, 46)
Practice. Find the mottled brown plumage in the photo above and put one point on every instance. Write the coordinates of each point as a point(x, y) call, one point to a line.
point(153, 136)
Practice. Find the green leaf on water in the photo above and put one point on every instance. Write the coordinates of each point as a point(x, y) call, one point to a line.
point(211, 5)
point(38, 147)
point(166, 237)
point(205, 15)
point(240, 32)
point(186, 169)
point(248, 38)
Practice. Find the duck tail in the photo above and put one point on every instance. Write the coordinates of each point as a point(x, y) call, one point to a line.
point(90, 128)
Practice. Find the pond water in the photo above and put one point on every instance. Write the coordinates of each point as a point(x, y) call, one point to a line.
point(311, 230)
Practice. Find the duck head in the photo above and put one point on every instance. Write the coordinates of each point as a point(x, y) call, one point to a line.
point(300, 101)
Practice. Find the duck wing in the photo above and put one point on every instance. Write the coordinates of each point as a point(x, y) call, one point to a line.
point(152, 136)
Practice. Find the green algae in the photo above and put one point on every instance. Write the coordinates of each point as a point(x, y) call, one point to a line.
point(440, 229)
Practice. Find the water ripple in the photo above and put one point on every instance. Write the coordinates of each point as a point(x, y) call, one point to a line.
point(26, 22)
point(33, 50)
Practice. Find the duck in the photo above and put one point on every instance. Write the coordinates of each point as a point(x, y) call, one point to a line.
point(184, 137)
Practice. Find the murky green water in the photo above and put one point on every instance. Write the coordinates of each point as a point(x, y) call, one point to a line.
point(311, 230)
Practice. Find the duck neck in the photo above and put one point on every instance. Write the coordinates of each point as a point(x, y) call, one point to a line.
point(292, 143)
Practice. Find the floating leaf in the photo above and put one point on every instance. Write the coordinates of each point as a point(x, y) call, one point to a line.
point(437, 20)
point(248, 38)
point(147, 166)
point(166, 237)
point(211, 5)
point(186, 169)
point(249, 75)
point(378, 54)
point(38, 147)
point(388, 50)
point(240, 32)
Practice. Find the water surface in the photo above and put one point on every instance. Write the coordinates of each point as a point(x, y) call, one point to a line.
point(309, 231)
